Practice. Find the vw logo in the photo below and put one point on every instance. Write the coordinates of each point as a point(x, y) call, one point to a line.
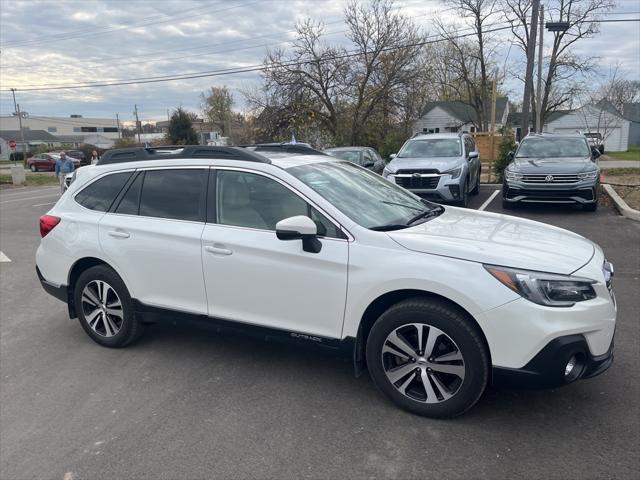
point(548, 178)
point(416, 175)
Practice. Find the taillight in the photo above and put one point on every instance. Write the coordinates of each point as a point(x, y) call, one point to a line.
point(47, 223)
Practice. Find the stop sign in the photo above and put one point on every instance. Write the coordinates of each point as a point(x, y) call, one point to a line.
point(12, 144)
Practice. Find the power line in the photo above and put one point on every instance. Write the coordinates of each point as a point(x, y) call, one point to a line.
point(252, 68)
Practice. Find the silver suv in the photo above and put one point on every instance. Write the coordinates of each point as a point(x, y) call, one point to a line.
point(444, 167)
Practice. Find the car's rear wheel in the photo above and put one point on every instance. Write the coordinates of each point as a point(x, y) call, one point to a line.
point(476, 188)
point(105, 308)
point(34, 168)
point(427, 358)
point(464, 201)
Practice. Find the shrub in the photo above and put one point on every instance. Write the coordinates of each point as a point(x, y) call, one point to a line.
point(507, 144)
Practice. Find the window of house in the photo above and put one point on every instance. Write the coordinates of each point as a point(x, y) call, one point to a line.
point(110, 130)
point(76, 129)
point(431, 130)
point(88, 129)
point(52, 129)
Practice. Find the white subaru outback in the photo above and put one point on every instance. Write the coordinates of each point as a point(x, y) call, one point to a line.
point(436, 302)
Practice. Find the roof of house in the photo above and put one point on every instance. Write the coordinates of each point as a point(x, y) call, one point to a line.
point(463, 111)
point(515, 118)
point(631, 111)
point(29, 135)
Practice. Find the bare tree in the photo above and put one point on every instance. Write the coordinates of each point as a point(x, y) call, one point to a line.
point(563, 65)
point(471, 60)
point(216, 106)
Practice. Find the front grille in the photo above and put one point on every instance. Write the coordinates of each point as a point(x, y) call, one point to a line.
point(551, 194)
point(426, 183)
point(557, 178)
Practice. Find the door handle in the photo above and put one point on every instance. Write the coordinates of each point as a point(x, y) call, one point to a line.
point(118, 234)
point(217, 250)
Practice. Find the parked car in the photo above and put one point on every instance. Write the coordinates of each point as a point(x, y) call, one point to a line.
point(435, 301)
point(366, 157)
point(79, 154)
point(549, 168)
point(46, 162)
point(444, 167)
point(595, 141)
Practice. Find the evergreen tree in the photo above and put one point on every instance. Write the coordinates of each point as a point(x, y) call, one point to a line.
point(181, 130)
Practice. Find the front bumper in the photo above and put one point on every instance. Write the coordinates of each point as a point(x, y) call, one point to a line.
point(583, 192)
point(548, 368)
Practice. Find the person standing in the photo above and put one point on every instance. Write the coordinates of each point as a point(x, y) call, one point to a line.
point(64, 166)
point(94, 157)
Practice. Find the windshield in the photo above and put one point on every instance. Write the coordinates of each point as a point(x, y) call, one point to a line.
point(553, 147)
point(431, 147)
point(364, 197)
point(348, 155)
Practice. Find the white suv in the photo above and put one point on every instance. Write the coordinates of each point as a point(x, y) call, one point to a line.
point(436, 302)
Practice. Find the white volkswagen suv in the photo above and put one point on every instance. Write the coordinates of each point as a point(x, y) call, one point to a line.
point(436, 302)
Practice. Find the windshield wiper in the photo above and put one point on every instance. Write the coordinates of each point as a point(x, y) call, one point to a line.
point(401, 205)
point(388, 228)
point(427, 214)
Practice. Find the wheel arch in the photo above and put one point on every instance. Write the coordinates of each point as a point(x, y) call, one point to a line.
point(378, 306)
point(75, 271)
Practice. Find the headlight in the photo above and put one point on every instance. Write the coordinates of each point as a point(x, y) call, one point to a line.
point(455, 172)
point(386, 172)
point(588, 175)
point(512, 175)
point(545, 288)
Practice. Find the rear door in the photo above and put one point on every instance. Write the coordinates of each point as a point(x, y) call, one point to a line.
point(152, 235)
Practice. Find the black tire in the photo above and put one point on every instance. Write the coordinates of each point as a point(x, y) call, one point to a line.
point(476, 188)
point(464, 201)
point(129, 329)
point(590, 207)
point(456, 325)
point(508, 205)
point(34, 168)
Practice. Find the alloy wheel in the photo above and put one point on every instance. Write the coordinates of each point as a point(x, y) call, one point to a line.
point(423, 363)
point(102, 308)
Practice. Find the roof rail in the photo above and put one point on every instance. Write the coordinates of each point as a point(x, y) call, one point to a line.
point(283, 147)
point(171, 152)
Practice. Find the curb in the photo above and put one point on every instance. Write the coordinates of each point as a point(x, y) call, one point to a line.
point(624, 209)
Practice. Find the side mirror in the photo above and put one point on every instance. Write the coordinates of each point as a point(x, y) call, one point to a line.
point(510, 156)
point(368, 164)
point(300, 227)
point(595, 153)
point(393, 155)
point(473, 155)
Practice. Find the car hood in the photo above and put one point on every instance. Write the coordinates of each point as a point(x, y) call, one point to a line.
point(441, 164)
point(552, 165)
point(498, 240)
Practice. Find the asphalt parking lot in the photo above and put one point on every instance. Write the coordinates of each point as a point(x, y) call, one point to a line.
point(188, 403)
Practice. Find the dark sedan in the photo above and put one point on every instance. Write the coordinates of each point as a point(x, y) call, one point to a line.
point(366, 157)
point(552, 169)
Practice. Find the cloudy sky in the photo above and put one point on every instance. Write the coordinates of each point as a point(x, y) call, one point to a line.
point(63, 42)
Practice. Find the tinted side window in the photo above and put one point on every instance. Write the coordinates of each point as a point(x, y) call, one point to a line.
point(130, 203)
point(100, 194)
point(177, 194)
point(250, 200)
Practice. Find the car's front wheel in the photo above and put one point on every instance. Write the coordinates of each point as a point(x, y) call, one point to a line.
point(105, 308)
point(427, 358)
point(476, 188)
point(464, 201)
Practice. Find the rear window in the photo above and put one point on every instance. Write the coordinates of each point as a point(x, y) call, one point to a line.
point(100, 194)
point(176, 194)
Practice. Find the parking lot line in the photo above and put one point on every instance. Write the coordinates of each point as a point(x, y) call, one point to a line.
point(488, 201)
point(43, 204)
point(4, 258)
point(27, 198)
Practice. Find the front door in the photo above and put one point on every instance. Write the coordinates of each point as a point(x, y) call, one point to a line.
point(253, 277)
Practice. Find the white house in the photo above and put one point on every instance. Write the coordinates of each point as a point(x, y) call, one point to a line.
point(594, 118)
point(72, 125)
point(440, 117)
point(95, 139)
point(32, 139)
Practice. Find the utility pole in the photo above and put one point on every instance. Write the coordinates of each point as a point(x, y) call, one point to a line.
point(16, 108)
point(118, 122)
point(492, 138)
point(539, 119)
point(528, 79)
point(137, 121)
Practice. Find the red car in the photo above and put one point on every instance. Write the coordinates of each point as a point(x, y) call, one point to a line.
point(46, 162)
